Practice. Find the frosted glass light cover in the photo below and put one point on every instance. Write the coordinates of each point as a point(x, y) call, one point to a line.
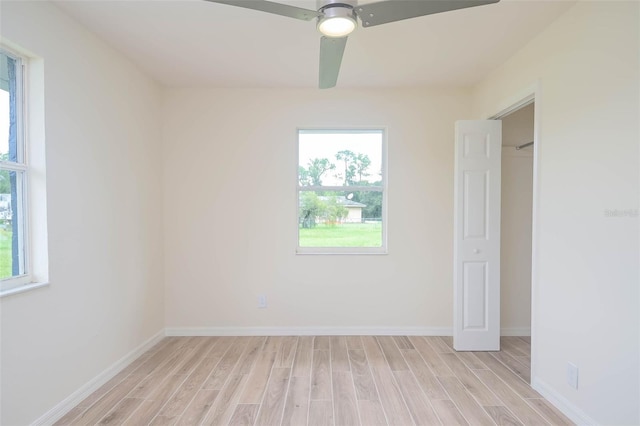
point(338, 26)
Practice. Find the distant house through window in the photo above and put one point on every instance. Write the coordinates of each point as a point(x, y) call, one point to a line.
point(341, 191)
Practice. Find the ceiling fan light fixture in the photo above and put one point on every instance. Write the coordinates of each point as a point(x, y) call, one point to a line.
point(338, 21)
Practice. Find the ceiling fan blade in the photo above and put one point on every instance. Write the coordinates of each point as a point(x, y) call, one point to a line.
point(383, 12)
point(331, 51)
point(273, 7)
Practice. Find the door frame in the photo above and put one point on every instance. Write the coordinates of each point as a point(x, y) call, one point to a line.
point(521, 99)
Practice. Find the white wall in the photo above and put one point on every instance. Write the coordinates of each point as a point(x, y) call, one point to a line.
point(586, 301)
point(104, 218)
point(230, 212)
point(515, 221)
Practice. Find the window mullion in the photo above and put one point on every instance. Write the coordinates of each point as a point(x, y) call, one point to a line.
point(341, 188)
point(13, 167)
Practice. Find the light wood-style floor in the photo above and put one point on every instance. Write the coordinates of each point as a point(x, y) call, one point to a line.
point(353, 380)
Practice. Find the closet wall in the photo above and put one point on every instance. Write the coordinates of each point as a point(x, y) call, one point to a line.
point(517, 199)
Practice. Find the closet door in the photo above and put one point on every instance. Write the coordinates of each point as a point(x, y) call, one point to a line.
point(476, 289)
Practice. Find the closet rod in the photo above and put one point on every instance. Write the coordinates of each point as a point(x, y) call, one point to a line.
point(524, 145)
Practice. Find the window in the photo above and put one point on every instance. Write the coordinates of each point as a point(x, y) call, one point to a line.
point(14, 173)
point(341, 191)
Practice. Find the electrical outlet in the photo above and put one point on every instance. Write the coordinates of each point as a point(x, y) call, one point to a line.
point(262, 301)
point(572, 375)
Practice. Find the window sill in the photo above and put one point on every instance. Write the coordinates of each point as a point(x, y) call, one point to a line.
point(22, 289)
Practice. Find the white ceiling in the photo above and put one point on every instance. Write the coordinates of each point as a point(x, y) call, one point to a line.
point(193, 43)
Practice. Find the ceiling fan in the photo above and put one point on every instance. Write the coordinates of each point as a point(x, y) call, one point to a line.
point(336, 19)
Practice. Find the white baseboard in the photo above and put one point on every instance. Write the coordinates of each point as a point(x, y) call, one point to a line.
point(309, 331)
point(329, 331)
point(567, 408)
point(515, 331)
point(57, 412)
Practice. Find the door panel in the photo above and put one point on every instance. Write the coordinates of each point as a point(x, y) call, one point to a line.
point(474, 296)
point(475, 204)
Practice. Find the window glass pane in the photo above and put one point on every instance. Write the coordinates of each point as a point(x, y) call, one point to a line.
point(333, 158)
point(12, 259)
point(9, 94)
point(340, 219)
point(4, 125)
point(11, 224)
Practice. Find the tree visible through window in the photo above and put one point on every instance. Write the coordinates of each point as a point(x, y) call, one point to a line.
point(341, 191)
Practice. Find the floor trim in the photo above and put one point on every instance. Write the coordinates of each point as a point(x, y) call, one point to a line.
point(567, 408)
point(515, 331)
point(309, 331)
point(329, 331)
point(62, 408)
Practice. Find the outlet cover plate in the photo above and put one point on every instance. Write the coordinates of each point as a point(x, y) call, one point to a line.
point(262, 301)
point(572, 375)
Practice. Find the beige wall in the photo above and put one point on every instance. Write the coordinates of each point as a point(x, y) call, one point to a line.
point(104, 218)
point(354, 215)
point(586, 292)
point(515, 217)
point(239, 147)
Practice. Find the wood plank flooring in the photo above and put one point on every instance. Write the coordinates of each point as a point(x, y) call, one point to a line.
point(323, 380)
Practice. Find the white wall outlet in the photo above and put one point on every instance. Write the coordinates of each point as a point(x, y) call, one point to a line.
point(572, 375)
point(262, 301)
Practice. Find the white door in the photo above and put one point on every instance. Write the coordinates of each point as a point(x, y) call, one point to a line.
point(476, 286)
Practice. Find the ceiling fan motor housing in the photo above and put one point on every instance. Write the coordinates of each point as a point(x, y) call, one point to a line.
point(335, 8)
point(323, 4)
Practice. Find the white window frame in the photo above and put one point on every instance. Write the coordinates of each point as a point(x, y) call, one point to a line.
point(24, 280)
point(383, 250)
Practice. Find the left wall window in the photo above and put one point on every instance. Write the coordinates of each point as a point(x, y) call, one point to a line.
point(14, 175)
